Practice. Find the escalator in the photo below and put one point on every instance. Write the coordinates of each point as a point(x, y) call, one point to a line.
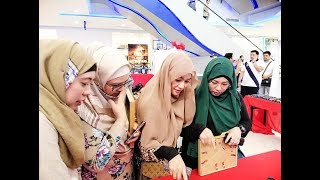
point(174, 20)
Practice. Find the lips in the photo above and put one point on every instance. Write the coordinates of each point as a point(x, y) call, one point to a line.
point(215, 93)
point(78, 103)
point(177, 91)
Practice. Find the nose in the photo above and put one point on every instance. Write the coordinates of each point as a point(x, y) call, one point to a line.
point(121, 89)
point(181, 85)
point(218, 87)
point(87, 90)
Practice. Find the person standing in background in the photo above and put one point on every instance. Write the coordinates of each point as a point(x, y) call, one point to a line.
point(267, 74)
point(206, 10)
point(236, 64)
point(241, 58)
point(238, 69)
point(250, 76)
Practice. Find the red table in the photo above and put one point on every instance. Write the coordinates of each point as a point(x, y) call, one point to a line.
point(265, 114)
point(142, 78)
point(256, 167)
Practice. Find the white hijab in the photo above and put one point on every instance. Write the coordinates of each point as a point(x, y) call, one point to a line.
point(110, 65)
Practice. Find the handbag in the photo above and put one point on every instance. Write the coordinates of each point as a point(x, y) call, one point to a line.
point(153, 170)
point(266, 82)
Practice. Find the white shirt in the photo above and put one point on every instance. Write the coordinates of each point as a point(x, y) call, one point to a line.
point(247, 80)
point(51, 165)
point(269, 69)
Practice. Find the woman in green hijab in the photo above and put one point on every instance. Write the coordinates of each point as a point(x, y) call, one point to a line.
point(219, 109)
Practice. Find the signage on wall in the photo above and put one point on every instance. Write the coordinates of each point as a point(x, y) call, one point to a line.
point(137, 52)
point(138, 58)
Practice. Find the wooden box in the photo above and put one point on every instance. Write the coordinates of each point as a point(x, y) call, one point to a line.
point(212, 159)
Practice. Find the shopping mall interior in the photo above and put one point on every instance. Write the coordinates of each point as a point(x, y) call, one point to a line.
point(144, 30)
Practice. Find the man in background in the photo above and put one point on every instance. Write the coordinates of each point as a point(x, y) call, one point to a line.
point(267, 74)
point(250, 75)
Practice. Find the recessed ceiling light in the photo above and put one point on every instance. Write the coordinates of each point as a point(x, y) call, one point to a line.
point(76, 10)
point(123, 25)
point(76, 22)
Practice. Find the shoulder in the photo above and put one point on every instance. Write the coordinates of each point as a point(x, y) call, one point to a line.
point(47, 131)
point(261, 63)
point(44, 123)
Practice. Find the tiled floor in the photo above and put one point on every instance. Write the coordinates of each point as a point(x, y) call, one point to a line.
point(256, 143)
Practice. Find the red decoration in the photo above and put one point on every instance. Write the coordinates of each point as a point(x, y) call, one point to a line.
point(178, 45)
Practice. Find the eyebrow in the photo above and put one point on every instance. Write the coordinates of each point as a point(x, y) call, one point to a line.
point(86, 78)
point(219, 82)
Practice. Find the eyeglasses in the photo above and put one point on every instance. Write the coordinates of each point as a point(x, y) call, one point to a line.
point(126, 84)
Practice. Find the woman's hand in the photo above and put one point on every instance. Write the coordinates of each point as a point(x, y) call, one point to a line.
point(206, 137)
point(135, 137)
point(178, 168)
point(118, 106)
point(235, 135)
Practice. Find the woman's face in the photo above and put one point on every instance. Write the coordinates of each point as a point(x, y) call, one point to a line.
point(179, 84)
point(218, 86)
point(79, 89)
point(114, 86)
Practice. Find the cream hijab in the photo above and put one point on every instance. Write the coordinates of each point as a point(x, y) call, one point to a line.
point(164, 115)
point(53, 63)
point(110, 65)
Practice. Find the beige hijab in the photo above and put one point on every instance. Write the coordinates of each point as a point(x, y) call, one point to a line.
point(110, 65)
point(164, 115)
point(53, 61)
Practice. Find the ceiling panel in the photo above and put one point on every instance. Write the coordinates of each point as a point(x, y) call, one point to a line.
point(244, 6)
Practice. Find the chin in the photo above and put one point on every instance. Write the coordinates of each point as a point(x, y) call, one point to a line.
point(74, 107)
point(215, 94)
point(115, 95)
point(175, 95)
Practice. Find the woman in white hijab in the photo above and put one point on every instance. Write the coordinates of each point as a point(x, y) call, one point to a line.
point(105, 123)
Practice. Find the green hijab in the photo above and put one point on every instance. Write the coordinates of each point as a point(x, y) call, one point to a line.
point(224, 109)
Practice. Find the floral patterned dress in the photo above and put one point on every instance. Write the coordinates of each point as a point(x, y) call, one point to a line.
point(102, 160)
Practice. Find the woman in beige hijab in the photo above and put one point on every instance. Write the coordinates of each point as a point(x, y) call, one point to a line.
point(66, 72)
point(105, 122)
point(167, 104)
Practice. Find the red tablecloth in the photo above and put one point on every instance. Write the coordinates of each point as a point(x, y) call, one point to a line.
point(273, 114)
point(143, 78)
point(256, 167)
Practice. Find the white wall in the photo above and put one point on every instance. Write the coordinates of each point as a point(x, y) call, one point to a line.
point(48, 34)
point(83, 36)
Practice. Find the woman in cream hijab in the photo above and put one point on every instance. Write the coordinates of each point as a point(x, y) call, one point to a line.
point(167, 104)
point(105, 122)
point(66, 72)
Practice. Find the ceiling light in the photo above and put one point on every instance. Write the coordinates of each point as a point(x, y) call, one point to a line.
point(123, 25)
point(76, 22)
